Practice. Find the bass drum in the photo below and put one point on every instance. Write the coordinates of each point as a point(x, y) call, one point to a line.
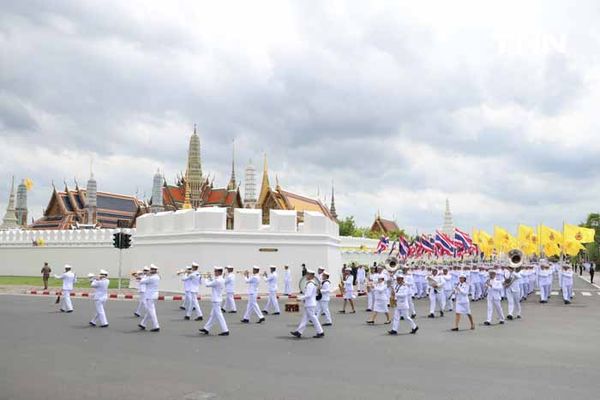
point(304, 281)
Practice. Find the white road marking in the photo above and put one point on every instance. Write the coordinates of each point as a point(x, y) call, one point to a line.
point(588, 281)
point(554, 293)
point(586, 294)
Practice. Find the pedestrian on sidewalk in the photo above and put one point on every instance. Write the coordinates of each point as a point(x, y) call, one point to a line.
point(46, 270)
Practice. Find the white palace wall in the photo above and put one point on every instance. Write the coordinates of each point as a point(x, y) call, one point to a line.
point(172, 240)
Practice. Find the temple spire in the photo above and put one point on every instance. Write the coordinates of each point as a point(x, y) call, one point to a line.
point(232, 185)
point(92, 199)
point(250, 186)
point(10, 217)
point(187, 202)
point(194, 170)
point(157, 198)
point(265, 187)
point(448, 227)
point(332, 208)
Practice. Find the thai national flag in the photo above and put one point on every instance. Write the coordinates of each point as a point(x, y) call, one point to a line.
point(426, 244)
point(444, 244)
point(403, 247)
point(383, 244)
point(463, 239)
point(394, 246)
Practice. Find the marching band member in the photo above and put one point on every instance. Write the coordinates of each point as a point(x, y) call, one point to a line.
point(402, 293)
point(151, 281)
point(409, 282)
point(532, 279)
point(567, 283)
point(483, 276)
point(230, 306)
point(100, 285)
point(474, 284)
point(513, 291)
point(310, 302)
point(252, 281)
point(194, 280)
point(494, 289)
point(419, 276)
point(348, 290)
point(68, 280)
point(287, 281)
point(380, 305)
point(325, 298)
point(185, 278)
point(361, 278)
point(371, 279)
point(447, 292)
point(141, 291)
point(545, 281)
point(436, 294)
point(462, 302)
point(216, 314)
point(272, 303)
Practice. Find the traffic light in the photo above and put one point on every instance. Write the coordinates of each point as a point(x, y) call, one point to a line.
point(117, 240)
point(125, 240)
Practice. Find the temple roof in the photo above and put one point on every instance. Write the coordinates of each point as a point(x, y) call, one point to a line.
point(384, 225)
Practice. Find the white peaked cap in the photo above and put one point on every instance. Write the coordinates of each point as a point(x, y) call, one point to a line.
point(217, 268)
point(152, 266)
point(272, 266)
point(320, 267)
point(310, 271)
point(195, 264)
point(230, 267)
point(90, 275)
point(255, 267)
point(348, 269)
point(67, 266)
point(326, 273)
point(188, 267)
point(103, 272)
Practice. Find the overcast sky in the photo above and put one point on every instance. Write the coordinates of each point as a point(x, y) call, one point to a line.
point(401, 104)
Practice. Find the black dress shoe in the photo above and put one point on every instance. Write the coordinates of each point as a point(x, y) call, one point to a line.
point(222, 309)
point(136, 314)
point(392, 332)
point(70, 311)
point(454, 329)
point(186, 318)
point(319, 335)
point(371, 322)
point(431, 316)
point(509, 317)
point(501, 322)
point(276, 313)
point(518, 317)
point(441, 313)
point(232, 312)
point(265, 312)
point(342, 312)
point(224, 333)
point(260, 321)
point(296, 333)
point(61, 310)
point(155, 330)
point(327, 324)
point(142, 327)
point(104, 326)
point(413, 315)
point(368, 310)
point(203, 331)
point(486, 323)
point(245, 321)
point(401, 318)
point(181, 307)
point(413, 331)
point(198, 319)
point(92, 324)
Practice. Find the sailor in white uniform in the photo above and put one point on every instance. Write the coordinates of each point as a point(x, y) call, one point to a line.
point(567, 283)
point(152, 281)
point(448, 289)
point(545, 281)
point(185, 278)
point(325, 298)
point(402, 293)
point(287, 280)
point(436, 294)
point(380, 304)
point(409, 282)
point(513, 292)
point(494, 295)
point(348, 280)
point(272, 302)
point(229, 278)
point(216, 314)
point(310, 302)
point(194, 280)
point(68, 280)
point(462, 302)
point(252, 281)
point(100, 285)
point(361, 279)
point(141, 291)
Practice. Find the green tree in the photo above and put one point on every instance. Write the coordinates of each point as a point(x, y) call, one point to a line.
point(593, 249)
point(347, 226)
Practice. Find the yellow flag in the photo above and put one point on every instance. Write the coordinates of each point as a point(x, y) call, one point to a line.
point(475, 237)
point(550, 236)
point(486, 243)
point(528, 240)
point(28, 183)
point(572, 248)
point(503, 240)
point(575, 233)
point(551, 249)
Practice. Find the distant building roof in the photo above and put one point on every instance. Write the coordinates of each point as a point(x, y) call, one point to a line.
point(384, 225)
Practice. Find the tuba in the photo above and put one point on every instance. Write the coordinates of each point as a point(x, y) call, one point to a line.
point(515, 258)
point(391, 264)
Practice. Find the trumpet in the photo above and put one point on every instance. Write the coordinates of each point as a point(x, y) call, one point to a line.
point(181, 272)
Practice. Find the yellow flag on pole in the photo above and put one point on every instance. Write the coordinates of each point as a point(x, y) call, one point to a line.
point(572, 248)
point(550, 236)
point(527, 239)
point(486, 243)
point(574, 233)
point(503, 240)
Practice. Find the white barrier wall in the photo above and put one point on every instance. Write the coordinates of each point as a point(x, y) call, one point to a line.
point(173, 240)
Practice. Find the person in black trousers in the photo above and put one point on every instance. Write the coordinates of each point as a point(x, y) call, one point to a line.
point(592, 268)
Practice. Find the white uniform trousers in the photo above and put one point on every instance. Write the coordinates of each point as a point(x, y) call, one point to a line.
point(361, 285)
point(150, 314)
point(545, 292)
point(287, 289)
point(475, 291)
point(65, 301)
point(186, 299)
point(370, 299)
point(100, 314)
point(494, 305)
point(514, 301)
point(192, 304)
point(309, 314)
point(216, 315)
point(567, 292)
point(421, 289)
point(411, 306)
point(252, 306)
point(324, 307)
point(141, 305)
point(272, 303)
point(436, 299)
point(402, 313)
point(230, 302)
point(447, 301)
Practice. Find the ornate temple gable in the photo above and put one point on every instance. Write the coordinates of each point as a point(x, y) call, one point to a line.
point(384, 226)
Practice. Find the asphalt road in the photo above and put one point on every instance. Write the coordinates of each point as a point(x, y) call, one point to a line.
point(552, 353)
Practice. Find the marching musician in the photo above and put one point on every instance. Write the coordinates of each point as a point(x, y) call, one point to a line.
point(151, 281)
point(217, 285)
point(371, 279)
point(448, 289)
point(287, 280)
point(325, 298)
point(545, 280)
point(194, 280)
point(272, 303)
point(141, 291)
point(185, 278)
point(567, 283)
point(68, 280)
point(100, 285)
point(494, 295)
point(513, 291)
point(436, 293)
point(380, 305)
point(347, 280)
point(409, 282)
point(402, 293)
point(310, 302)
point(319, 278)
point(252, 281)
point(361, 278)
point(474, 287)
point(230, 306)
point(462, 302)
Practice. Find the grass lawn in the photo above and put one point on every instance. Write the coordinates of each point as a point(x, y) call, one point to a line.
point(36, 281)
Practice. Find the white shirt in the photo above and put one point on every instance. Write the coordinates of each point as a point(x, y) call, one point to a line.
point(360, 274)
point(187, 280)
point(462, 293)
point(142, 286)
point(151, 282)
point(401, 292)
point(348, 283)
point(271, 280)
point(287, 275)
point(68, 280)
point(230, 283)
point(217, 285)
point(195, 281)
point(447, 281)
point(310, 295)
point(253, 281)
point(101, 289)
point(495, 289)
point(326, 290)
point(567, 277)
